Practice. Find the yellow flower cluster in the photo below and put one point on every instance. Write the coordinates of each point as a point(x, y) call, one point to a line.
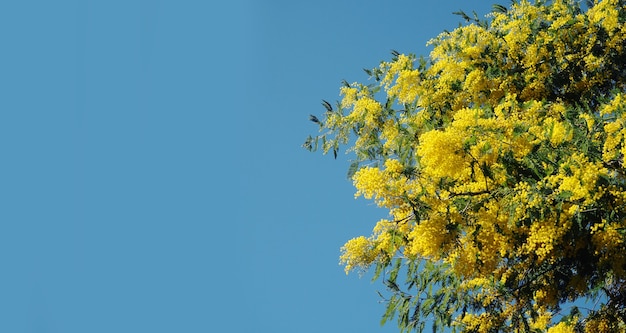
point(542, 321)
point(406, 88)
point(441, 154)
point(615, 146)
point(543, 238)
point(606, 14)
point(357, 253)
point(561, 327)
point(547, 295)
point(577, 177)
point(609, 242)
point(427, 238)
point(370, 182)
point(600, 325)
point(482, 323)
point(392, 69)
point(387, 186)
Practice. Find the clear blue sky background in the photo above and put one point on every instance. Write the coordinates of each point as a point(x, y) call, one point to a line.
point(152, 178)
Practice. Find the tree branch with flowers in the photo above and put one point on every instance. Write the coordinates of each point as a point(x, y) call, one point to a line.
point(500, 158)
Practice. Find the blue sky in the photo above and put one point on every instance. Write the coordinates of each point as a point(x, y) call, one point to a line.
point(152, 175)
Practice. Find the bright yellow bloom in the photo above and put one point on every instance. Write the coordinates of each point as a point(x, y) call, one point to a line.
point(441, 154)
point(561, 327)
point(357, 253)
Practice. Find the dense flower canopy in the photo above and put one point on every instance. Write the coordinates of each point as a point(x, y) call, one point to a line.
point(501, 159)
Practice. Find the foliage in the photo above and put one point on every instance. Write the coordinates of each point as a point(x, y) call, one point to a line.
point(501, 159)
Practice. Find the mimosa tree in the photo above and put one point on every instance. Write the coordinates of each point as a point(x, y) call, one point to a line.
point(501, 159)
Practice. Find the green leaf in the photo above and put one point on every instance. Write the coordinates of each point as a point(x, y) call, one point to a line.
point(379, 269)
point(327, 106)
point(314, 119)
point(308, 143)
point(391, 310)
point(463, 15)
point(499, 9)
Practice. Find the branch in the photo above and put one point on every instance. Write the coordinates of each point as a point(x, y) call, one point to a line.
point(470, 193)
